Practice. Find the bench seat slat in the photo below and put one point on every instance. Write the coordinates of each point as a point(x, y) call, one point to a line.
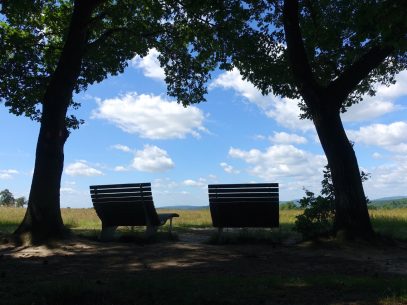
point(121, 190)
point(126, 185)
point(239, 190)
point(247, 185)
point(118, 195)
point(244, 195)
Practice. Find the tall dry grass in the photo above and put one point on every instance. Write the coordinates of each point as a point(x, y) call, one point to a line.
point(391, 222)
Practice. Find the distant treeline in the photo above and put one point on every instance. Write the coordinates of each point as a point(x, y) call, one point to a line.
point(373, 204)
point(388, 204)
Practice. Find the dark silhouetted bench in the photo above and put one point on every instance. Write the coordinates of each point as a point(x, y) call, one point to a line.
point(254, 205)
point(127, 205)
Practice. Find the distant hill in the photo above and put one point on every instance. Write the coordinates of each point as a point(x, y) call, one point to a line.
point(184, 207)
point(390, 198)
point(389, 202)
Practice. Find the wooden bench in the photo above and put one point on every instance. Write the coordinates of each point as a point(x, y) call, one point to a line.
point(253, 205)
point(127, 205)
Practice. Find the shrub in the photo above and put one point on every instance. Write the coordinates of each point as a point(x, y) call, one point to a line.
point(319, 212)
point(318, 216)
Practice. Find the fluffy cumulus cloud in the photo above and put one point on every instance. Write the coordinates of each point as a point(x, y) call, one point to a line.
point(369, 108)
point(392, 137)
point(149, 64)
point(396, 90)
point(287, 138)
point(82, 168)
point(151, 116)
point(152, 159)
point(380, 104)
point(229, 168)
point(285, 111)
point(388, 179)
point(8, 173)
point(233, 80)
point(281, 161)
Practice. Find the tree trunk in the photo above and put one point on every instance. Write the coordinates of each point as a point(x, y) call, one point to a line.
point(43, 219)
point(352, 217)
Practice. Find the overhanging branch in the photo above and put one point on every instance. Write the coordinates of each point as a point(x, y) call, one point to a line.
point(360, 69)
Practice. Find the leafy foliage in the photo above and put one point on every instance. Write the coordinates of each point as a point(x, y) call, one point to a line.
point(33, 33)
point(319, 212)
point(335, 35)
point(318, 216)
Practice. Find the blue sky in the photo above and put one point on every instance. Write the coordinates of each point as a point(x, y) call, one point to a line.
point(133, 132)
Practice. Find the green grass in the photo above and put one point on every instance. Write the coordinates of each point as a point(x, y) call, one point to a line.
point(388, 222)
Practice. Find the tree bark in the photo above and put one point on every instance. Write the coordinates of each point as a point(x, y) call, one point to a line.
point(351, 217)
point(324, 104)
point(43, 219)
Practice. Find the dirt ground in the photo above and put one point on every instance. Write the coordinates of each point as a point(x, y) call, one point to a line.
point(190, 255)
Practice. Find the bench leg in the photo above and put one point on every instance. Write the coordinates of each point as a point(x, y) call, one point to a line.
point(151, 231)
point(107, 233)
point(170, 228)
point(220, 231)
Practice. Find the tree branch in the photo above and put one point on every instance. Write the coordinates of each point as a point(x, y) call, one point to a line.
point(296, 50)
point(109, 33)
point(360, 69)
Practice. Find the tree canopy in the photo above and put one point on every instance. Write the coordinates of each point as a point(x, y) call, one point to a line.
point(33, 34)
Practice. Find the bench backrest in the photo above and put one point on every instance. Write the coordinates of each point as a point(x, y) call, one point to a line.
point(244, 205)
point(124, 204)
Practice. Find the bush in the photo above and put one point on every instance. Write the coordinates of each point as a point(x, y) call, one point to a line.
point(318, 216)
point(319, 212)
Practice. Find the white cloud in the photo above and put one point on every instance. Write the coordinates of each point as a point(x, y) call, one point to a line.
point(281, 161)
point(259, 137)
point(233, 80)
point(388, 179)
point(383, 102)
point(120, 168)
point(199, 183)
point(81, 168)
point(285, 111)
point(68, 190)
point(368, 109)
point(376, 155)
point(150, 65)
point(392, 137)
point(151, 116)
point(229, 168)
point(152, 159)
point(287, 138)
point(397, 90)
point(122, 147)
point(8, 173)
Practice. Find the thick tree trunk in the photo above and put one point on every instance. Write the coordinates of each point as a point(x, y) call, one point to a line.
point(43, 219)
point(352, 217)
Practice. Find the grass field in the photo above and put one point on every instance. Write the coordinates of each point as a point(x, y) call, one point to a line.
point(388, 222)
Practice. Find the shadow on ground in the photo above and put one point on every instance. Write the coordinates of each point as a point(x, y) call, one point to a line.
point(187, 271)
